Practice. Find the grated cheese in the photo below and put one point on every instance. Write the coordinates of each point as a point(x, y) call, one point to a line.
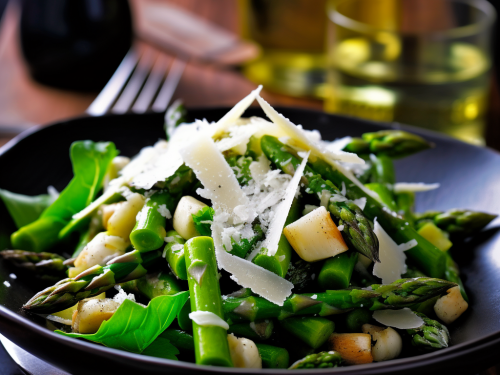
point(281, 213)
point(402, 319)
point(164, 211)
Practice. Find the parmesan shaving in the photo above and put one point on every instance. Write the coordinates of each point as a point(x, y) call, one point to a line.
point(278, 222)
point(392, 258)
point(303, 141)
point(219, 181)
point(401, 319)
point(208, 319)
point(413, 187)
point(234, 114)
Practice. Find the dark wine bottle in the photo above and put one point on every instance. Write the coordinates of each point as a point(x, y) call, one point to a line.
point(75, 44)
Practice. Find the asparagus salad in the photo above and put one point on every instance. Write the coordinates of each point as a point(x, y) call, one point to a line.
point(245, 243)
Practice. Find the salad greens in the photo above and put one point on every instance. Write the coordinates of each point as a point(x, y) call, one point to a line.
point(303, 254)
point(134, 328)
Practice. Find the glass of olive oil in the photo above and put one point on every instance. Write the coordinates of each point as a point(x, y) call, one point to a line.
point(291, 34)
point(418, 62)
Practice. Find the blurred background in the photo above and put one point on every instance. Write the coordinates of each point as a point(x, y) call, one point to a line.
point(429, 63)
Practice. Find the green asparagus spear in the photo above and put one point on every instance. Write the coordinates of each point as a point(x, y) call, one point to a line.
point(94, 281)
point(453, 274)
point(280, 262)
point(153, 285)
point(357, 230)
point(318, 360)
point(302, 274)
point(273, 356)
point(174, 254)
point(432, 335)
point(385, 194)
point(36, 263)
point(314, 331)
point(399, 294)
point(258, 330)
point(149, 231)
point(392, 143)
point(405, 202)
point(211, 346)
point(382, 170)
point(355, 319)
point(459, 223)
point(180, 339)
point(337, 271)
point(425, 255)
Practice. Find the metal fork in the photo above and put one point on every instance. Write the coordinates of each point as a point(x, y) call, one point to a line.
point(145, 79)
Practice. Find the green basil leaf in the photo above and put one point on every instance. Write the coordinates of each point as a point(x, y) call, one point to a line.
point(90, 162)
point(205, 214)
point(25, 209)
point(134, 327)
point(161, 348)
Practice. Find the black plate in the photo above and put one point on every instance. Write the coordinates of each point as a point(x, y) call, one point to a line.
point(469, 177)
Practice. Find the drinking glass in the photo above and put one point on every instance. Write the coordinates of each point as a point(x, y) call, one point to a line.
point(291, 34)
point(418, 62)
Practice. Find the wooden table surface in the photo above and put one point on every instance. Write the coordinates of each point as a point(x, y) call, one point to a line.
point(25, 103)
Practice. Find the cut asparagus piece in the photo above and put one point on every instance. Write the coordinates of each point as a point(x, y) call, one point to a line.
point(280, 262)
point(211, 345)
point(153, 285)
point(273, 356)
point(357, 230)
point(174, 254)
point(337, 271)
point(259, 330)
point(149, 231)
point(91, 282)
point(432, 335)
point(314, 331)
point(319, 360)
point(392, 143)
point(459, 223)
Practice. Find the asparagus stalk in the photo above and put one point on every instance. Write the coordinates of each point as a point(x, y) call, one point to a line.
point(174, 254)
point(391, 143)
point(337, 271)
point(405, 202)
point(385, 194)
point(149, 231)
point(357, 230)
point(425, 255)
point(180, 339)
point(318, 360)
point(459, 223)
point(355, 319)
point(453, 274)
point(36, 263)
point(432, 335)
point(259, 330)
point(399, 294)
point(92, 282)
point(382, 170)
point(153, 285)
point(280, 262)
point(211, 346)
point(314, 331)
point(273, 356)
